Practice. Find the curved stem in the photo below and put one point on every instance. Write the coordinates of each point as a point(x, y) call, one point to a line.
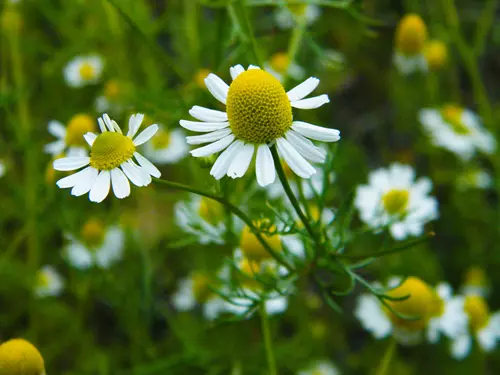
point(385, 363)
point(271, 362)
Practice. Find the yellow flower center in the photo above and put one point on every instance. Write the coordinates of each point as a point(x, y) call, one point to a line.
point(87, 71)
point(438, 305)
point(111, 89)
point(298, 9)
point(19, 357)
point(411, 35)
point(93, 233)
point(452, 114)
point(279, 62)
point(110, 150)
point(161, 140)
point(79, 125)
point(418, 305)
point(436, 54)
point(200, 76)
point(42, 279)
point(211, 211)
point(475, 276)
point(201, 290)
point(258, 108)
point(478, 312)
point(253, 249)
point(396, 201)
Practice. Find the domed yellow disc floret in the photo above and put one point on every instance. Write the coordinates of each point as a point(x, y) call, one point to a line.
point(110, 150)
point(411, 35)
point(253, 249)
point(258, 108)
point(418, 305)
point(87, 71)
point(452, 114)
point(93, 232)
point(161, 140)
point(19, 357)
point(79, 125)
point(396, 201)
point(436, 54)
point(477, 310)
point(211, 211)
point(201, 287)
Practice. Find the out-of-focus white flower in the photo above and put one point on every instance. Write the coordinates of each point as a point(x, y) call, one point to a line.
point(279, 66)
point(83, 70)
point(474, 179)
point(110, 100)
point(410, 39)
point(167, 147)
point(70, 139)
point(48, 282)
point(287, 17)
point(320, 368)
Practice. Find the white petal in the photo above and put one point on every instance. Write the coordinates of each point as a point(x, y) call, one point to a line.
point(121, 186)
point(55, 148)
point(71, 163)
point(302, 90)
point(147, 165)
point(241, 161)
point(251, 67)
point(318, 133)
point(236, 71)
point(294, 160)
point(90, 138)
point(108, 122)
point(134, 174)
point(146, 135)
point(212, 148)
point(134, 123)
point(57, 129)
point(264, 166)
point(203, 127)
point(100, 189)
point(206, 114)
point(72, 180)
point(217, 87)
point(311, 103)
point(221, 165)
point(305, 147)
point(86, 182)
point(101, 125)
point(209, 137)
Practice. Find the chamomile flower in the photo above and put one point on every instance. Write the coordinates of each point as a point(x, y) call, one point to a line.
point(110, 162)
point(83, 70)
point(48, 282)
point(483, 327)
point(411, 35)
point(436, 54)
point(110, 100)
point(320, 368)
point(70, 139)
point(381, 322)
point(458, 130)
point(20, 357)
point(97, 245)
point(476, 282)
point(195, 290)
point(166, 147)
point(258, 114)
point(474, 179)
point(287, 17)
point(394, 198)
point(449, 317)
point(280, 67)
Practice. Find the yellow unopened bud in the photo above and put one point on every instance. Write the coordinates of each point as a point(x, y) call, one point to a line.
point(411, 35)
point(19, 357)
point(436, 54)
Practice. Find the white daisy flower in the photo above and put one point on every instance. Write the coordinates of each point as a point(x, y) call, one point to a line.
point(258, 113)
point(410, 40)
point(70, 139)
point(280, 67)
point(320, 368)
point(458, 130)
point(286, 17)
point(381, 322)
point(96, 246)
point(484, 327)
point(195, 290)
point(48, 282)
point(393, 198)
point(475, 179)
point(83, 70)
point(110, 162)
point(167, 147)
point(449, 318)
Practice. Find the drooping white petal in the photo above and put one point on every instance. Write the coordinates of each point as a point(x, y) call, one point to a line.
point(55, 148)
point(294, 160)
point(302, 90)
point(206, 114)
point(57, 129)
point(85, 183)
point(264, 166)
point(100, 189)
point(305, 147)
point(134, 123)
point(217, 87)
point(70, 163)
point(146, 135)
point(212, 148)
point(121, 186)
point(318, 133)
point(147, 165)
point(221, 165)
point(209, 137)
point(101, 125)
point(73, 179)
point(236, 71)
point(203, 127)
point(311, 103)
point(108, 122)
point(134, 174)
point(241, 161)
point(90, 138)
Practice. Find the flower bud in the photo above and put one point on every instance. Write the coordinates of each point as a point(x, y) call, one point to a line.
point(411, 35)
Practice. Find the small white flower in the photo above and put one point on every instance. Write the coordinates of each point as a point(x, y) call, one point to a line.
point(475, 179)
point(83, 70)
point(258, 114)
point(70, 139)
point(408, 64)
point(167, 147)
point(286, 17)
point(48, 282)
point(111, 161)
point(458, 130)
point(320, 368)
point(393, 198)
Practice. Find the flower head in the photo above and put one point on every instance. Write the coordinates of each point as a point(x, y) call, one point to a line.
point(70, 139)
point(287, 17)
point(166, 147)
point(258, 113)
point(110, 100)
point(48, 282)
point(436, 54)
point(19, 357)
point(110, 162)
point(411, 35)
point(320, 368)
point(83, 70)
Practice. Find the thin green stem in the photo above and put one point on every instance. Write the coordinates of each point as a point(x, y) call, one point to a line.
point(271, 361)
point(293, 46)
point(385, 363)
point(484, 26)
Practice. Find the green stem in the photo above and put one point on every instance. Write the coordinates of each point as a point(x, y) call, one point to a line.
point(385, 363)
point(484, 25)
point(271, 362)
point(293, 46)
